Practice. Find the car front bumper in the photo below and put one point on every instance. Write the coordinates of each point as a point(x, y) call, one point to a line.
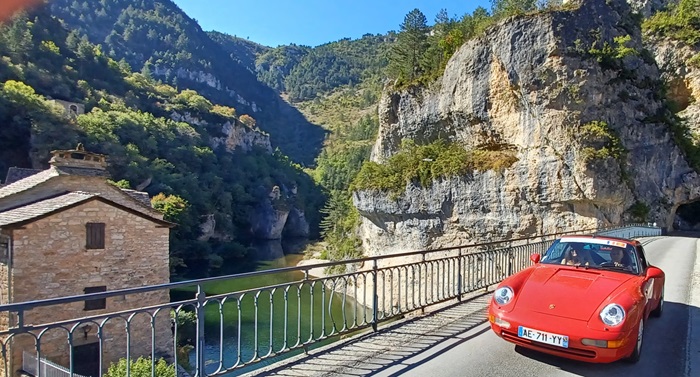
point(576, 330)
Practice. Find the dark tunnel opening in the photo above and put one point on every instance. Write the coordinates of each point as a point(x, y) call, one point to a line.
point(687, 217)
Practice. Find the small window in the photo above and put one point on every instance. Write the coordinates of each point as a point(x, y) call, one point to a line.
point(96, 304)
point(4, 250)
point(95, 237)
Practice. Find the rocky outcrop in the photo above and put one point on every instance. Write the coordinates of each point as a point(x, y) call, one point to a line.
point(648, 7)
point(235, 135)
point(682, 77)
point(207, 227)
point(296, 225)
point(535, 84)
point(238, 136)
point(207, 79)
point(278, 215)
point(268, 222)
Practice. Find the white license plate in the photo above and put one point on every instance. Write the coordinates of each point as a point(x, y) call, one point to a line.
point(543, 337)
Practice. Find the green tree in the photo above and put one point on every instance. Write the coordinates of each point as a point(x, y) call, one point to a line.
point(505, 8)
point(435, 58)
point(412, 42)
point(170, 205)
point(679, 21)
point(142, 367)
point(191, 100)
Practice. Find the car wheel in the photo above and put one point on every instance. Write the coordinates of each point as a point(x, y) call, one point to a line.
point(638, 346)
point(659, 308)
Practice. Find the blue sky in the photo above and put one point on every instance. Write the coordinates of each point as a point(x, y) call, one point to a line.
point(313, 22)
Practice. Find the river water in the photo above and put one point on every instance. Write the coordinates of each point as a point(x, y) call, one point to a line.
point(308, 312)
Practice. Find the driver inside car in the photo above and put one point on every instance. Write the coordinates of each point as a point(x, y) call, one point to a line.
point(617, 255)
point(576, 255)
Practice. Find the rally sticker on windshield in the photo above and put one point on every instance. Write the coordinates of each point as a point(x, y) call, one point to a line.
point(593, 240)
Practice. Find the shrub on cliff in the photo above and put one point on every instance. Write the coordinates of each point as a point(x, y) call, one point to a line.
point(680, 21)
point(424, 164)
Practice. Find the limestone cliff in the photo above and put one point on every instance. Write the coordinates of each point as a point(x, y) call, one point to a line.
point(681, 76)
point(540, 85)
point(279, 216)
point(235, 135)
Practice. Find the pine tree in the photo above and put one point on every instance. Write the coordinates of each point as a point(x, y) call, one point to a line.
point(410, 45)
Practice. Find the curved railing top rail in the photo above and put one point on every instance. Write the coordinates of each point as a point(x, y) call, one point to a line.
point(128, 291)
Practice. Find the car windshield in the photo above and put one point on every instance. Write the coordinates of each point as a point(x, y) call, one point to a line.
point(593, 253)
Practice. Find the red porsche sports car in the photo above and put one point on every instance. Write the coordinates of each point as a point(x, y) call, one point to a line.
point(587, 298)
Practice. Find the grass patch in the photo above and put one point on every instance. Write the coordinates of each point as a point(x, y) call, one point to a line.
point(694, 61)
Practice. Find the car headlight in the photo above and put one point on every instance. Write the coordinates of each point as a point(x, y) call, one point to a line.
point(503, 295)
point(612, 315)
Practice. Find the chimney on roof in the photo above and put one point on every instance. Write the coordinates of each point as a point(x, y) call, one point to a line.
point(80, 159)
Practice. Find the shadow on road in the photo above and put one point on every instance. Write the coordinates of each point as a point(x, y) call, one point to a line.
point(394, 345)
point(408, 345)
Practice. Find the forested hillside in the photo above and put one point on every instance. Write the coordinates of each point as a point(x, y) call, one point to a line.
point(156, 37)
point(135, 64)
point(129, 116)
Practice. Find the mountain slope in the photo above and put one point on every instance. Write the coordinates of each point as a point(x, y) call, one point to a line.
point(157, 37)
point(216, 173)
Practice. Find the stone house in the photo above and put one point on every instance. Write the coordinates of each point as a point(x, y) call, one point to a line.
point(66, 231)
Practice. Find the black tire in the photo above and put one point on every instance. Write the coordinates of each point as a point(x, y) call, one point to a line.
point(659, 308)
point(634, 357)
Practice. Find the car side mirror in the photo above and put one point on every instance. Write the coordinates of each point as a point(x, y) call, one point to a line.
point(535, 258)
point(654, 273)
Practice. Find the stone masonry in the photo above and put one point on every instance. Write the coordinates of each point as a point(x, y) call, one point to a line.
point(58, 265)
point(44, 218)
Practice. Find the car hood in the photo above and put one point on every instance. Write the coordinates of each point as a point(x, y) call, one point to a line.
point(566, 292)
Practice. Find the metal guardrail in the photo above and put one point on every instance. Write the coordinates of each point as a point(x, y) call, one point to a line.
point(35, 366)
point(210, 335)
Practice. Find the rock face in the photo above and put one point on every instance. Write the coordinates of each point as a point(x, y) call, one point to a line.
point(278, 215)
point(205, 78)
point(296, 225)
point(238, 136)
point(648, 7)
point(682, 78)
point(533, 84)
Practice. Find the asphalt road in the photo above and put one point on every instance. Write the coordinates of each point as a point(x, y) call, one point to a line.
point(457, 341)
point(479, 352)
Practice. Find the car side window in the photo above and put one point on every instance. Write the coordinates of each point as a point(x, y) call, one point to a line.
point(555, 252)
point(642, 258)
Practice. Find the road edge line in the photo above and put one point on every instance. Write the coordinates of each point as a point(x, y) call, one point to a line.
point(692, 347)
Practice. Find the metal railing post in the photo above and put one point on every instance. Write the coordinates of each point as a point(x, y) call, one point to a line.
point(510, 261)
point(200, 359)
point(375, 296)
point(459, 276)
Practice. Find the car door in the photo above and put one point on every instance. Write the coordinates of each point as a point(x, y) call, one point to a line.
point(651, 289)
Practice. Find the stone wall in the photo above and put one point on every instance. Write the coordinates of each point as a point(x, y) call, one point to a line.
point(50, 260)
point(4, 298)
